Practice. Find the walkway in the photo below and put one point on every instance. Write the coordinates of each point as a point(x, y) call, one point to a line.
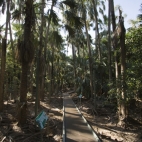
point(76, 129)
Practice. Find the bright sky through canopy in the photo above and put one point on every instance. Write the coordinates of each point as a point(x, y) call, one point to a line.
point(129, 7)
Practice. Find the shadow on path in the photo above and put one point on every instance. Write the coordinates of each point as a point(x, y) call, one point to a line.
point(76, 128)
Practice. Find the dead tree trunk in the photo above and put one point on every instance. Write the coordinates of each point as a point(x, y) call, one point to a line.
point(122, 109)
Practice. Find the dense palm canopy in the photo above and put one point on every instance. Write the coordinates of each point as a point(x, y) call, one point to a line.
point(43, 30)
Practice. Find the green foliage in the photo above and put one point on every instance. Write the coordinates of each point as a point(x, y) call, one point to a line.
point(1, 2)
point(13, 71)
point(134, 58)
point(56, 38)
point(73, 20)
point(54, 17)
point(12, 5)
point(18, 29)
point(70, 30)
point(16, 15)
point(3, 5)
point(83, 86)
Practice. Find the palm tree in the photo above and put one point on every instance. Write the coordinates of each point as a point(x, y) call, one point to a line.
point(56, 41)
point(84, 16)
point(4, 44)
point(73, 24)
point(95, 14)
point(26, 52)
point(39, 74)
point(3, 61)
point(109, 42)
point(52, 17)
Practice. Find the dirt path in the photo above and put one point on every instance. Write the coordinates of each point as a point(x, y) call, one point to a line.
point(76, 129)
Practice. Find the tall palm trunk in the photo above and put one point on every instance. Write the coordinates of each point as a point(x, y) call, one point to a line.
point(37, 82)
point(58, 75)
point(98, 47)
point(97, 30)
point(2, 73)
point(7, 18)
point(3, 59)
point(39, 54)
point(42, 85)
point(74, 64)
point(25, 60)
point(90, 60)
point(31, 80)
point(117, 70)
point(116, 56)
point(89, 52)
point(109, 44)
point(22, 113)
point(41, 90)
point(52, 72)
point(46, 41)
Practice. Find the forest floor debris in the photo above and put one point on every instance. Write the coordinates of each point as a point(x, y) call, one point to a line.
point(104, 120)
point(11, 131)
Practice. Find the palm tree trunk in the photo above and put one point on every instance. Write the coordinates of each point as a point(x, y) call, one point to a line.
point(109, 44)
point(74, 63)
point(97, 30)
point(22, 112)
point(11, 38)
point(3, 60)
point(90, 60)
point(41, 48)
point(7, 18)
point(45, 47)
point(52, 71)
point(47, 32)
point(31, 80)
point(37, 83)
point(39, 54)
point(2, 74)
point(116, 56)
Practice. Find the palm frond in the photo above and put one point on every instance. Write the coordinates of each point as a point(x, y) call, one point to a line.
point(139, 17)
point(70, 30)
point(71, 3)
point(56, 38)
point(78, 22)
point(101, 11)
point(54, 17)
point(12, 5)
point(91, 12)
point(74, 20)
point(105, 19)
point(16, 15)
point(103, 4)
point(3, 4)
